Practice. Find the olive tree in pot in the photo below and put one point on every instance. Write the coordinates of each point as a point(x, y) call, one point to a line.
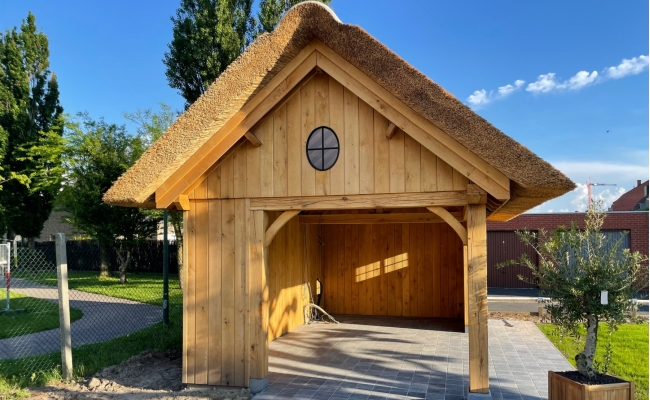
point(588, 280)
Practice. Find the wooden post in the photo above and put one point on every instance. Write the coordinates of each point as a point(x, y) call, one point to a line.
point(465, 291)
point(64, 307)
point(477, 297)
point(259, 301)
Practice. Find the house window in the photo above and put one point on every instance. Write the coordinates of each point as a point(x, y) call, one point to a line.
point(322, 148)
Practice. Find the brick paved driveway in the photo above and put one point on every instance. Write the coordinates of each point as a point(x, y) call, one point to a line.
point(367, 358)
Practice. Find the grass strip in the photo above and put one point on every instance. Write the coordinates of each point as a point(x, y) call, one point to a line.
point(629, 351)
point(144, 288)
point(38, 315)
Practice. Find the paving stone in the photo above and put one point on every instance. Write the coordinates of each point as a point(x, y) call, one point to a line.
point(371, 358)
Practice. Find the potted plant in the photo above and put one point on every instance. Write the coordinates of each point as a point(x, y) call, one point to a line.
point(588, 280)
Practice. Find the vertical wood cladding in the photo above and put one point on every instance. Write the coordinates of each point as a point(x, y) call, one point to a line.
point(217, 310)
point(368, 162)
point(393, 269)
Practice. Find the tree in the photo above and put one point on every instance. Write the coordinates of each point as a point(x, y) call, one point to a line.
point(575, 267)
point(151, 126)
point(31, 125)
point(211, 34)
point(208, 36)
point(96, 155)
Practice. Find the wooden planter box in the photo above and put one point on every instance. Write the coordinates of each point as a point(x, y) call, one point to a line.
point(561, 388)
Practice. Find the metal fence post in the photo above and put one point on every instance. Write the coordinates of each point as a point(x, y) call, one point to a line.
point(165, 271)
point(64, 307)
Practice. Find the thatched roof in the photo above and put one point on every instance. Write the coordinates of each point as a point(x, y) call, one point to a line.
point(533, 180)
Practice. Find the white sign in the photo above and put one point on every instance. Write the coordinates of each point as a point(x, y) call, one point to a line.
point(603, 297)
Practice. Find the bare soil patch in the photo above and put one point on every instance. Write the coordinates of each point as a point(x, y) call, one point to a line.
point(516, 316)
point(149, 375)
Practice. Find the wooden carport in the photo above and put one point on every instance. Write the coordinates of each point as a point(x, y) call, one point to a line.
point(257, 208)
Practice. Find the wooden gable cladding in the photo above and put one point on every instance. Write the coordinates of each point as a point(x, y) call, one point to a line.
point(411, 270)
point(368, 162)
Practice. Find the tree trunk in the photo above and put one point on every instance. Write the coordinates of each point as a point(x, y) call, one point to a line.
point(585, 360)
point(125, 263)
point(105, 260)
point(30, 242)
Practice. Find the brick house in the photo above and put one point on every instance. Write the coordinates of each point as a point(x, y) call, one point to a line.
point(634, 199)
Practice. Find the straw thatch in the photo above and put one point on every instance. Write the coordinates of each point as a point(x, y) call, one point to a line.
point(533, 180)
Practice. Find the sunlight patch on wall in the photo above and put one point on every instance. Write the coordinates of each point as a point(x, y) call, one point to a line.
point(388, 265)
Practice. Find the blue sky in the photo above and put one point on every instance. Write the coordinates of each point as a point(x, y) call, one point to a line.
point(107, 57)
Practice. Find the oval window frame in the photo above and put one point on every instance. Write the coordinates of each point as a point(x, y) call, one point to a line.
point(322, 149)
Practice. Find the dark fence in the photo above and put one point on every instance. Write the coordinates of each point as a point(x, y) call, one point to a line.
point(83, 255)
point(505, 246)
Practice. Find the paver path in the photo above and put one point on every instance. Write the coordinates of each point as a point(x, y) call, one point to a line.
point(104, 318)
point(378, 357)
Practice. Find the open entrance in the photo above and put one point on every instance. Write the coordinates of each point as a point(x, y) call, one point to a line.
point(375, 263)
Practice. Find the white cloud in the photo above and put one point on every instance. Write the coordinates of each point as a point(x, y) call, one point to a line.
point(624, 175)
point(544, 83)
point(579, 80)
point(479, 98)
point(580, 196)
point(509, 89)
point(547, 83)
point(632, 66)
point(618, 171)
point(482, 97)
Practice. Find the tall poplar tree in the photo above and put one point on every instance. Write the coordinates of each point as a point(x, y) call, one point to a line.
point(211, 34)
point(31, 125)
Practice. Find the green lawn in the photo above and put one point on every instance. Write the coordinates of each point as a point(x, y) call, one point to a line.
point(629, 351)
point(88, 359)
point(145, 288)
point(38, 315)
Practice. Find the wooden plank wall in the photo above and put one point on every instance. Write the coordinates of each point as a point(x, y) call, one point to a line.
point(393, 269)
point(288, 272)
point(216, 314)
point(368, 162)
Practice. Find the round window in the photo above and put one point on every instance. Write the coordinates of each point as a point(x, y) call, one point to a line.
point(322, 148)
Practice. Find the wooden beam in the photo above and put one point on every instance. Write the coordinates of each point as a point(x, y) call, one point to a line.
point(452, 221)
point(396, 218)
point(182, 203)
point(415, 125)
point(465, 291)
point(477, 299)
point(476, 195)
point(253, 139)
point(390, 131)
point(223, 139)
point(277, 225)
point(259, 296)
point(361, 201)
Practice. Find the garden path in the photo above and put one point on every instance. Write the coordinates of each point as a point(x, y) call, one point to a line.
point(104, 318)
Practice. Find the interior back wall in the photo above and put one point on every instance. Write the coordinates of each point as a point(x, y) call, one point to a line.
point(393, 269)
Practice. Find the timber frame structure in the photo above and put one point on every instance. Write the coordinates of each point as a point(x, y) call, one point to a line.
point(396, 227)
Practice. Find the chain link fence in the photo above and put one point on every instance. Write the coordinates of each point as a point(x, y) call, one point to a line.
point(102, 310)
